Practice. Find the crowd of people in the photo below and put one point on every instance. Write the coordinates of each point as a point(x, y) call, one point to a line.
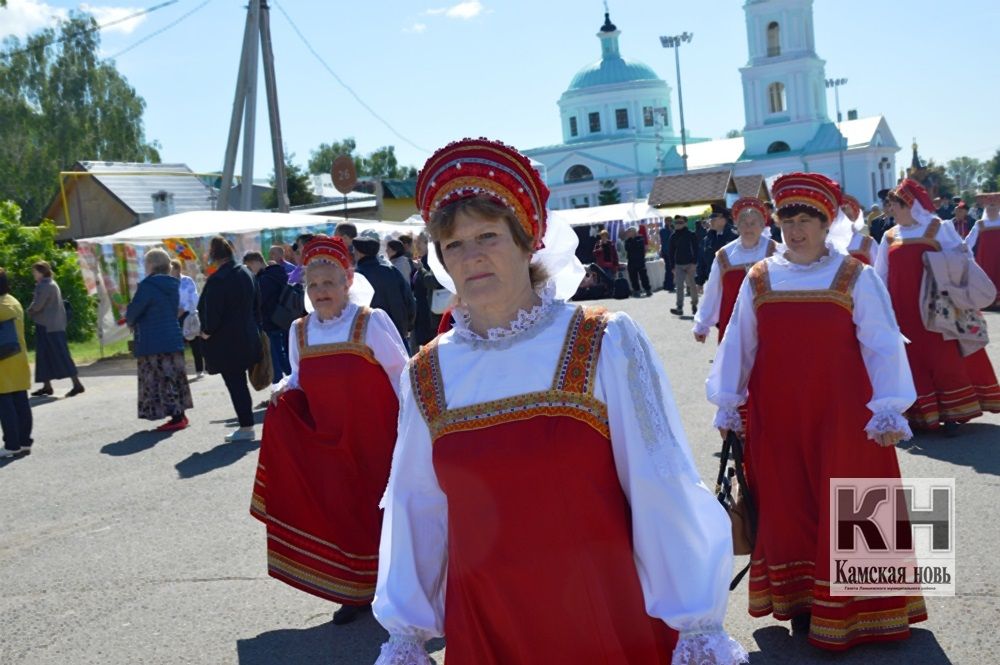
point(447, 507)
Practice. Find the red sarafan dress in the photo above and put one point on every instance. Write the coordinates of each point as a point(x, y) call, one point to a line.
point(945, 391)
point(324, 463)
point(808, 351)
point(722, 288)
point(525, 582)
point(732, 279)
point(862, 248)
point(986, 243)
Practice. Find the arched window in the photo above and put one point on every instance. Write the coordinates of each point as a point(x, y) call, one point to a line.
point(777, 146)
point(776, 97)
point(773, 39)
point(578, 173)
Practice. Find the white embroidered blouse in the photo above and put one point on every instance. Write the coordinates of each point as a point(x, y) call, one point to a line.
point(683, 549)
point(875, 327)
point(946, 236)
point(381, 337)
point(973, 236)
point(711, 300)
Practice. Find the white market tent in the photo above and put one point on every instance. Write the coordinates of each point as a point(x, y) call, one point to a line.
point(629, 213)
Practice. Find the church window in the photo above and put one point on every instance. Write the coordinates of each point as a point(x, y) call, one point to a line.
point(777, 146)
point(776, 97)
point(621, 118)
point(578, 173)
point(647, 116)
point(773, 39)
point(572, 126)
point(595, 122)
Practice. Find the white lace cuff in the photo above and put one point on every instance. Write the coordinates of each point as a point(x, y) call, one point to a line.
point(403, 650)
point(701, 329)
point(713, 647)
point(728, 418)
point(884, 422)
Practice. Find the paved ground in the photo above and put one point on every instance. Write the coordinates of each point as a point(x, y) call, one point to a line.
point(119, 545)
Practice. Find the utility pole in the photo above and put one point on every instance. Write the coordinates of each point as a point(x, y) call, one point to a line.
point(675, 43)
point(835, 84)
point(258, 26)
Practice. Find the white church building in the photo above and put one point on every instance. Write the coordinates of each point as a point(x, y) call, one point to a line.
point(617, 120)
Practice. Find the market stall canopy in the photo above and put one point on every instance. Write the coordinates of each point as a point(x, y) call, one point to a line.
point(635, 211)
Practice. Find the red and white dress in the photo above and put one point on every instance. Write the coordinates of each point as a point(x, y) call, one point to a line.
point(984, 240)
point(325, 454)
point(949, 387)
point(729, 267)
point(543, 507)
point(815, 353)
point(862, 248)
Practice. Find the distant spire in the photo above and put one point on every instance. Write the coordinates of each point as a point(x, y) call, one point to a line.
point(915, 162)
point(608, 25)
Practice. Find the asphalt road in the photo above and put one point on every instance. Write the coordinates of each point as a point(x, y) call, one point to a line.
point(119, 545)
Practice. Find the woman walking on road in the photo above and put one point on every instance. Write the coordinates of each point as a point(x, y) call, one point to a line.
point(52, 357)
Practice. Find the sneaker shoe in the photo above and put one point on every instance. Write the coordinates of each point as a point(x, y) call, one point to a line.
point(199, 375)
point(6, 452)
point(241, 434)
point(173, 425)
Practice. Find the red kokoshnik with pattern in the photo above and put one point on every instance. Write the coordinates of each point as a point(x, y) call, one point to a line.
point(323, 467)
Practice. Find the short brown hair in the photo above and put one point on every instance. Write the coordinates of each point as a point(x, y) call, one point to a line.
point(254, 256)
point(175, 264)
point(4, 284)
point(219, 249)
point(442, 224)
point(42, 267)
point(787, 212)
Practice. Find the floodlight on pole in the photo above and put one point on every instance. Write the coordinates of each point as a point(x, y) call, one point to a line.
point(675, 42)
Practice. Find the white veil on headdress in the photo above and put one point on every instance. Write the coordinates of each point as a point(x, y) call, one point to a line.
point(360, 293)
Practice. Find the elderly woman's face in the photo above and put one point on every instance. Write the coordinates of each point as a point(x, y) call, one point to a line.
point(750, 225)
point(327, 285)
point(487, 266)
point(804, 233)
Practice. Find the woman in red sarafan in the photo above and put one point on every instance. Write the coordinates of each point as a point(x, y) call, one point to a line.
point(543, 508)
point(950, 389)
point(811, 322)
point(984, 238)
point(730, 266)
point(861, 246)
point(328, 438)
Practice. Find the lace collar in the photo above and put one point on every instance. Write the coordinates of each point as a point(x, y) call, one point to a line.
point(348, 311)
point(832, 254)
point(525, 325)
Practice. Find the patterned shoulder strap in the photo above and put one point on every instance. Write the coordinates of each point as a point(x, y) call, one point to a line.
point(359, 327)
point(427, 383)
point(847, 275)
point(772, 247)
point(723, 259)
point(760, 279)
point(866, 244)
point(891, 234)
point(303, 324)
point(932, 229)
point(577, 368)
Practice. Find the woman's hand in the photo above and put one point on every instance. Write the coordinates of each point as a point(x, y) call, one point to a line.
point(700, 338)
point(279, 392)
point(889, 439)
point(203, 335)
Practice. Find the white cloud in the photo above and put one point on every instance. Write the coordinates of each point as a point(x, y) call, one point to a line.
point(463, 10)
point(24, 17)
point(416, 28)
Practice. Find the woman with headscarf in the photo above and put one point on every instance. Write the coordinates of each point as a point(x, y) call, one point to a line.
point(328, 437)
point(950, 389)
point(814, 352)
point(730, 266)
point(48, 311)
point(984, 239)
point(491, 537)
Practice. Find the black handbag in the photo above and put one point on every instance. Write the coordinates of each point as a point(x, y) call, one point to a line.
point(10, 345)
point(737, 501)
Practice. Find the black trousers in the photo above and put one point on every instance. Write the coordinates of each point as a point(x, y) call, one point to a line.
point(15, 419)
point(636, 273)
point(239, 393)
point(197, 348)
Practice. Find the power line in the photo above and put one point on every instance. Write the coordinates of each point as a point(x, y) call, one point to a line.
point(95, 28)
point(341, 81)
point(160, 31)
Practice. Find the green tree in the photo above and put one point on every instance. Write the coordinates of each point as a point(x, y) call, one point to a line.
point(967, 172)
point(934, 178)
point(381, 163)
point(734, 133)
point(299, 189)
point(20, 247)
point(60, 103)
point(321, 159)
point(609, 193)
point(991, 174)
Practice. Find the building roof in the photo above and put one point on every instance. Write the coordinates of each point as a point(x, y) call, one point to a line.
point(609, 71)
point(400, 189)
point(134, 183)
point(690, 188)
point(714, 153)
point(750, 185)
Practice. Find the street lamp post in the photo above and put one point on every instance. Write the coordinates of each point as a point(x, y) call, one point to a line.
point(675, 43)
point(835, 84)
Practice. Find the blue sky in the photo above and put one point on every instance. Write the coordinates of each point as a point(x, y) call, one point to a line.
point(441, 70)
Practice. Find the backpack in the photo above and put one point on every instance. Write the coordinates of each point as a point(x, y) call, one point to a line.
point(291, 306)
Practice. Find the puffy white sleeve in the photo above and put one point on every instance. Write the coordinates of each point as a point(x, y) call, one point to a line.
point(726, 387)
point(711, 301)
point(881, 263)
point(948, 236)
point(884, 355)
point(681, 534)
point(970, 240)
point(291, 382)
point(384, 341)
point(409, 592)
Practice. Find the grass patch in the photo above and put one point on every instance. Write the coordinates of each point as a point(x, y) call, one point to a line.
point(87, 352)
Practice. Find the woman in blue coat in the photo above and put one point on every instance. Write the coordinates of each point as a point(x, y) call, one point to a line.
point(159, 345)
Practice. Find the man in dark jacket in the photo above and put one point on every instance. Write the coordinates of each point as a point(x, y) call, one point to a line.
point(271, 281)
point(683, 254)
point(392, 291)
point(720, 233)
point(668, 269)
point(635, 251)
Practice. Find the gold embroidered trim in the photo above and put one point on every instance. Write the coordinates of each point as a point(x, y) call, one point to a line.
point(354, 346)
point(839, 292)
point(579, 406)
